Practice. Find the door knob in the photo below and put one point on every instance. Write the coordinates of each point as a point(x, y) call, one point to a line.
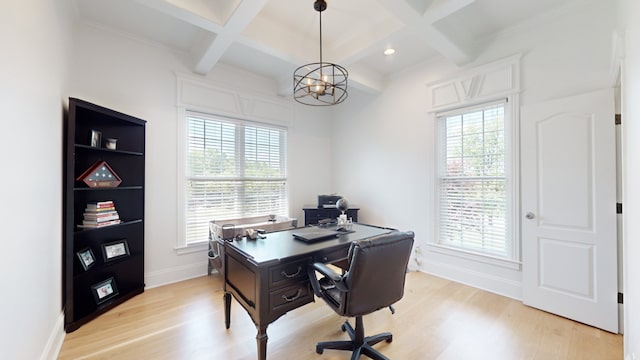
point(529, 215)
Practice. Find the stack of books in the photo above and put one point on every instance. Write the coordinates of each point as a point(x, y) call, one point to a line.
point(100, 214)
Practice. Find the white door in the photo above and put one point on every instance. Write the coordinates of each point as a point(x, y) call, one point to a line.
point(569, 250)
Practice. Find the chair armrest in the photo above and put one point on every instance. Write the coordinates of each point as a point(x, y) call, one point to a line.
point(329, 275)
point(327, 271)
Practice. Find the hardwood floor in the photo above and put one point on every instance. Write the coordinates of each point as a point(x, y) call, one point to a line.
point(436, 319)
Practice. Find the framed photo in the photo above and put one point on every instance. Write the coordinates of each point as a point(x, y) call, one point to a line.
point(86, 258)
point(115, 250)
point(96, 138)
point(104, 290)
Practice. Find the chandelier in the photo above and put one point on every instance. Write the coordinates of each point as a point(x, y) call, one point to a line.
point(320, 83)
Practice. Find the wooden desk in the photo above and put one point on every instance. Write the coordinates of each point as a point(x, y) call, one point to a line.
point(268, 277)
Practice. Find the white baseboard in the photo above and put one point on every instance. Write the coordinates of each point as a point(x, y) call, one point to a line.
point(494, 284)
point(54, 344)
point(176, 274)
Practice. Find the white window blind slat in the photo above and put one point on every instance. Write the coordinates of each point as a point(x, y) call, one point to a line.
point(234, 170)
point(472, 184)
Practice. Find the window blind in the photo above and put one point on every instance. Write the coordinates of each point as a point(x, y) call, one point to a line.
point(472, 182)
point(234, 169)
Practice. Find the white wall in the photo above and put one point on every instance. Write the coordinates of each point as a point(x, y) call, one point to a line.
point(139, 79)
point(384, 145)
point(35, 38)
point(631, 163)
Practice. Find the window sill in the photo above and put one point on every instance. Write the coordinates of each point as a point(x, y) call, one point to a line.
point(192, 248)
point(474, 256)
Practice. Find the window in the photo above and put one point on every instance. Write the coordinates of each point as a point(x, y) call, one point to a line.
point(473, 183)
point(233, 169)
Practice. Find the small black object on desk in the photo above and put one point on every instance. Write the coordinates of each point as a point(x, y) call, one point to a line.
point(314, 215)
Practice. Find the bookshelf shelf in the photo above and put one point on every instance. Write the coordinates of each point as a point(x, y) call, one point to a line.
point(119, 188)
point(123, 223)
point(122, 152)
point(92, 282)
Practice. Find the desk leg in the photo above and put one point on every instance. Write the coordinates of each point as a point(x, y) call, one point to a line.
point(227, 310)
point(261, 339)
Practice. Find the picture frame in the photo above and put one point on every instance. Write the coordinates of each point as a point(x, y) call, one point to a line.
point(86, 257)
point(104, 290)
point(96, 139)
point(115, 250)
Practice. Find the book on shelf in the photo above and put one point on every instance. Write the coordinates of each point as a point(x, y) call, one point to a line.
point(100, 205)
point(100, 214)
point(99, 211)
point(99, 225)
point(100, 218)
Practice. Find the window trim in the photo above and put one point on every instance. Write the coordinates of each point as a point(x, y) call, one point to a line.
point(181, 246)
point(511, 131)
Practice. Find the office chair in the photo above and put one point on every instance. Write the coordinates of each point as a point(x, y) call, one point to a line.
point(375, 280)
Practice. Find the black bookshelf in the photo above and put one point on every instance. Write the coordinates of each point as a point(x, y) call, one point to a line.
point(92, 287)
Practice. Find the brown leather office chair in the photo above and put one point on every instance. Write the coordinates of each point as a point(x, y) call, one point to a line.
point(375, 280)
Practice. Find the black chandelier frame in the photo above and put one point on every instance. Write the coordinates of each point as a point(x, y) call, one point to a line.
point(320, 83)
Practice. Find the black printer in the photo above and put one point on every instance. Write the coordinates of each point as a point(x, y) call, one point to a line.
point(328, 201)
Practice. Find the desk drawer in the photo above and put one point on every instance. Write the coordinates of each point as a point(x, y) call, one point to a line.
point(295, 271)
point(241, 278)
point(290, 297)
point(332, 256)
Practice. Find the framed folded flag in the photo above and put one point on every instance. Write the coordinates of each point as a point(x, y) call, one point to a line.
point(100, 175)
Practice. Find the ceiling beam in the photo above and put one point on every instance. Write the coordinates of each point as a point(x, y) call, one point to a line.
point(423, 23)
point(246, 11)
point(225, 35)
point(440, 9)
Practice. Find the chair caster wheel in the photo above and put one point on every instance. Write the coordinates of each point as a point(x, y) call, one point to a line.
point(390, 339)
point(344, 327)
point(319, 350)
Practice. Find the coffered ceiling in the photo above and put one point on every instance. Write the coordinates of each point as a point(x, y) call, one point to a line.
point(273, 37)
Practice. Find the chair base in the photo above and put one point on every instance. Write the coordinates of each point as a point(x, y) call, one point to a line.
point(359, 344)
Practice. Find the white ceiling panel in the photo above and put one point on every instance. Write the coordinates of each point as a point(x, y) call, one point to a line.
point(247, 58)
point(218, 11)
point(410, 50)
point(130, 17)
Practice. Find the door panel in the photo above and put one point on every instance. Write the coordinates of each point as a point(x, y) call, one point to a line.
point(569, 248)
point(569, 185)
point(574, 281)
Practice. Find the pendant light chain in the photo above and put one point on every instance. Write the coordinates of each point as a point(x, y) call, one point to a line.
point(321, 44)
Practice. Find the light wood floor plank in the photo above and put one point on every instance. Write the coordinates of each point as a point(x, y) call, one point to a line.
point(436, 320)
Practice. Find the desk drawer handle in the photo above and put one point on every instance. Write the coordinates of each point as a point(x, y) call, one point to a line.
point(294, 298)
point(289, 276)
